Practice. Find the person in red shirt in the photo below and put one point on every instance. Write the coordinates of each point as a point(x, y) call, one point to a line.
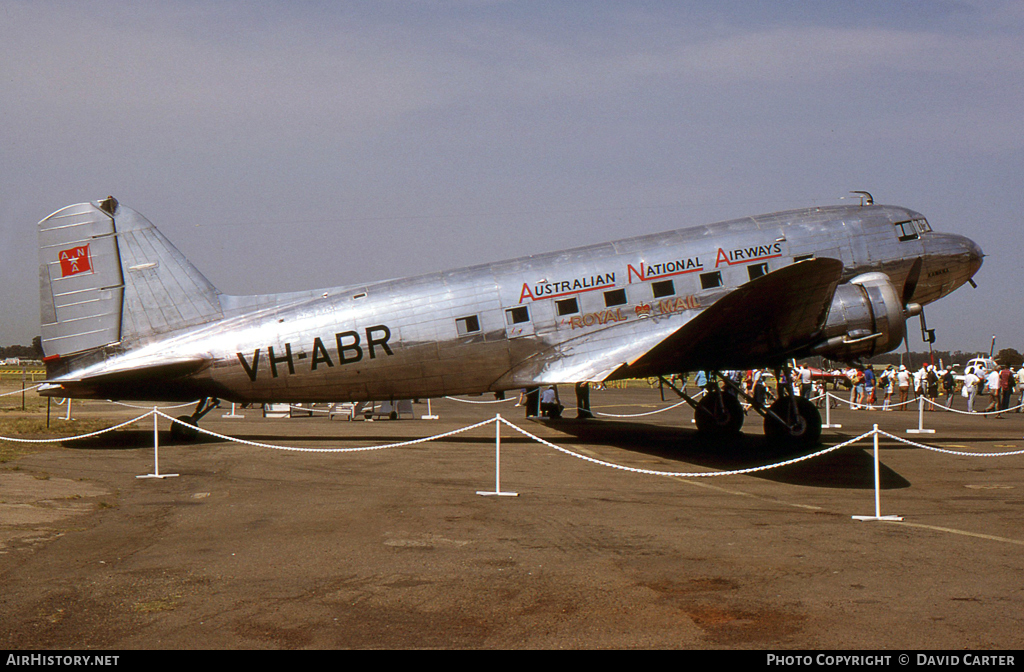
point(1005, 387)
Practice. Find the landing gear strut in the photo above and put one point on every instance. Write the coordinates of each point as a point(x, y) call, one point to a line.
point(791, 420)
point(187, 432)
point(717, 413)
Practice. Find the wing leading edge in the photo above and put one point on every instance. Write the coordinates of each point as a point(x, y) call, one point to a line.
point(760, 324)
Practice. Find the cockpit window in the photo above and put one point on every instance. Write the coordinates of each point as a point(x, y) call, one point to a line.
point(910, 229)
point(906, 231)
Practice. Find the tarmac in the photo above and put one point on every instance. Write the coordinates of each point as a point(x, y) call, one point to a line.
point(251, 547)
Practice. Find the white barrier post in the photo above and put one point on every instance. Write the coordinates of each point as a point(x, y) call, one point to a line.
point(920, 420)
point(68, 417)
point(497, 463)
point(156, 452)
point(878, 486)
point(232, 414)
point(429, 415)
point(828, 415)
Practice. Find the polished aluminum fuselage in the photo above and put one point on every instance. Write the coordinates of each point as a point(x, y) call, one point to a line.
point(493, 326)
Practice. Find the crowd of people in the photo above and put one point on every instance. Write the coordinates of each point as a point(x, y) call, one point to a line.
point(891, 388)
point(894, 387)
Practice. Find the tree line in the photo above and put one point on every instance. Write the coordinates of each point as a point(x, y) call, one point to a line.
point(34, 351)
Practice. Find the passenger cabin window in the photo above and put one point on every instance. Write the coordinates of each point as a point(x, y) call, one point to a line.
point(711, 280)
point(616, 297)
point(567, 306)
point(467, 325)
point(663, 288)
point(757, 270)
point(517, 315)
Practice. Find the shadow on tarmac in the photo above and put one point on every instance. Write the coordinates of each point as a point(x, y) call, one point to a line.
point(851, 467)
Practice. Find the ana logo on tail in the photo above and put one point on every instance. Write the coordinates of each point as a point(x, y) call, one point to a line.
point(74, 261)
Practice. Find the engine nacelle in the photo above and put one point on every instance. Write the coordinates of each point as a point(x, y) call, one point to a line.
point(866, 318)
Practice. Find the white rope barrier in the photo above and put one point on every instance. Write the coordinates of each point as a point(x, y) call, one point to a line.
point(876, 406)
point(127, 405)
point(938, 405)
point(679, 474)
point(258, 444)
point(58, 439)
point(470, 401)
point(7, 394)
point(634, 415)
point(875, 433)
point(946, 450)
point(941, 407)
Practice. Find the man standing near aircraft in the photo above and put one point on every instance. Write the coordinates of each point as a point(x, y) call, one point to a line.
point(805, 381)
point(1020, 388)
point(949, 385)
point(1005, 387)
point(971, 382)
point(992, 385)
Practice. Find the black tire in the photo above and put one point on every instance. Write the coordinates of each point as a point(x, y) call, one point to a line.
point(186, 433)
point(802, 422)
point(719, 413)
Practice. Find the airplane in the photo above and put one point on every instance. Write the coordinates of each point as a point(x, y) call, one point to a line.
point(126, 316)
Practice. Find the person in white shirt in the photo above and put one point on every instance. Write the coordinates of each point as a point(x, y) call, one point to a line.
point(992, 384)
point(903, 382)
point(971, 381)
point(919, 384)
point(1020, 387)
point(888, 383)
point(805, 381)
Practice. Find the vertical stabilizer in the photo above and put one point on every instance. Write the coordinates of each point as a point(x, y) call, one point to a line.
point(163, 291)
point(108, 276)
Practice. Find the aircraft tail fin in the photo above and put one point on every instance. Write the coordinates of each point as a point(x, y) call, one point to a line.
point(107, 276)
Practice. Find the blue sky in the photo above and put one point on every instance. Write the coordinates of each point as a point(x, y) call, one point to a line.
point(291, 145)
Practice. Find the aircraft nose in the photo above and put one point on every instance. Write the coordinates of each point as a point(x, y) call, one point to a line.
point(974, 255)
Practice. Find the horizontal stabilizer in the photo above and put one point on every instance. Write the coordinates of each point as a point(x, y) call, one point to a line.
point(126, 373)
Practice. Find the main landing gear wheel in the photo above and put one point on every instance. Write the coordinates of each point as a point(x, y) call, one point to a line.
point(802, 422)
point(719, 413)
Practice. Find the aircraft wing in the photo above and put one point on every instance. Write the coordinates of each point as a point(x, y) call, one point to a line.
point(758, 324)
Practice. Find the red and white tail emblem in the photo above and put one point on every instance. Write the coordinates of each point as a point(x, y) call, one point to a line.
point(74, 261)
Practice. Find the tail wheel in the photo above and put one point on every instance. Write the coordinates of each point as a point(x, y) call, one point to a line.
point(801, 422)
point(719, 413)
point(186, 432)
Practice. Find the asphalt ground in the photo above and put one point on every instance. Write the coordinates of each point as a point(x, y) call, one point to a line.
point(258, 548)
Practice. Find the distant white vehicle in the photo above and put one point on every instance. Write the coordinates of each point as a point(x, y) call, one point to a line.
point(980, 365)
point(986, 363)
